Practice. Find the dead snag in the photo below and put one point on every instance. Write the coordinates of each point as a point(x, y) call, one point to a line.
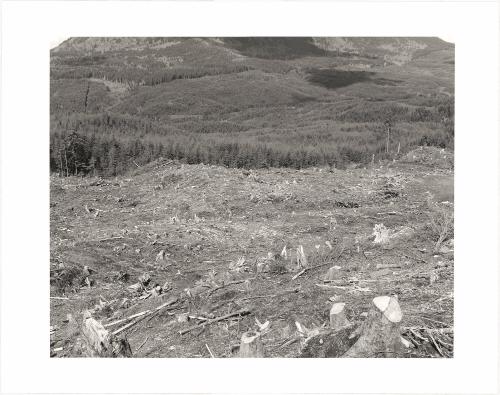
point(100, 342)
point(338, 319)
point(380, 333)
point(251, 346)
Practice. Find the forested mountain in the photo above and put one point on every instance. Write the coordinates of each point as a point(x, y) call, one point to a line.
point(118, 103)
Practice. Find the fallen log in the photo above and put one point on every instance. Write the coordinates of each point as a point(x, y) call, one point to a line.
point(126, 318)
point(442, 331)
point(380, 332)
point(145, 314)
point(299, 274)
point(388, 266)
point(210, 351)
point(241, 312)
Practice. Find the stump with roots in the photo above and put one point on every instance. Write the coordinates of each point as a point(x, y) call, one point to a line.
point(338, 319)
point(100, 342)
point(334, 341)
point(380, 333)
point(330, 343)
point(251, 346)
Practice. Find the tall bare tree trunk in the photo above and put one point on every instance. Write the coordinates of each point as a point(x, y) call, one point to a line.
point(387, 142)
point(60, 164)
point(66, 160)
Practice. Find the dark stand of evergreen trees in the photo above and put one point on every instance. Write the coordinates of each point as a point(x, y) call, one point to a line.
point(110, 144)
point(93, 153)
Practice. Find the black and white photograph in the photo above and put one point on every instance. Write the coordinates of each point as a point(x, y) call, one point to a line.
point(248, 197)
point(235, 197)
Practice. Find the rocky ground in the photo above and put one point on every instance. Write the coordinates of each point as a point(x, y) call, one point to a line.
point(203, 242)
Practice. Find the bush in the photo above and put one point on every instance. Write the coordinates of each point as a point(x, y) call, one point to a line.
point(441, 222)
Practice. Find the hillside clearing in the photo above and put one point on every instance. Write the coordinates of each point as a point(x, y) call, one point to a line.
point(211, 237)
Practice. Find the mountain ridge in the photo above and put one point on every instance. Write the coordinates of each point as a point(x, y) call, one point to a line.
point(299, 101)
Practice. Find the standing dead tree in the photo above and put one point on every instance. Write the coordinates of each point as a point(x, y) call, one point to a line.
point(388, 127)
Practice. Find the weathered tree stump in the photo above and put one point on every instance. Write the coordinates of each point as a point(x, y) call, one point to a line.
point(160, 256)
point(380, 333)
point(338, 319)
point(251, 346)
point(330, 343)
point(333, 274)
point(100, 342)
point(301, 258)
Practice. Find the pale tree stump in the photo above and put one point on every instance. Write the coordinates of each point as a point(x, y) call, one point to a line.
point(380, 333)
point(100, 342)
point(333, 274)
point(301, 258)
point(338, 319)
point(330, 343)
point(251, 346)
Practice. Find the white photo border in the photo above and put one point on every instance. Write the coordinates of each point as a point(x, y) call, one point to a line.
point(28, 29)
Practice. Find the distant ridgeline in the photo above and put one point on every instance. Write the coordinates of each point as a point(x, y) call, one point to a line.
point(117, 103)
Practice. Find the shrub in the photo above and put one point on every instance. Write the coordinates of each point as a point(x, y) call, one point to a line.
point(441, 222)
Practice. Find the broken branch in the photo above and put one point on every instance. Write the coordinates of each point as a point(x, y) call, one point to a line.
point(209, 322)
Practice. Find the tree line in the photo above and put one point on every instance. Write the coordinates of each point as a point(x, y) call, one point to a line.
point(109, 154)
point(134, 76)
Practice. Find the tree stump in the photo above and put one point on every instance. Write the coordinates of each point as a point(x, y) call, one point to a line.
point(301, 258)
point(251, 346)
point(338, 319)
point(332, 274)
point(100, 342)
point(330, 343)
point(380, 333)
point(160, 256)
